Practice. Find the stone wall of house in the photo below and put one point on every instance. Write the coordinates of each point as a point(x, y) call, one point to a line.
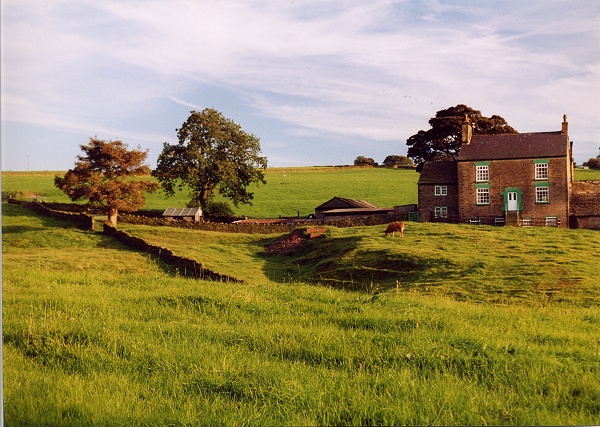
point(585, 205)
point(428, 201)
point(515, 174)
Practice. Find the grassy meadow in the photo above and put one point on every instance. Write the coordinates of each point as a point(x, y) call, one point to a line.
point(287, 192)
point(450, 325)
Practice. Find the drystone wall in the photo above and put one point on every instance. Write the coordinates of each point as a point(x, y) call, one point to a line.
point(185, 266)
point(264, 228)
point(83, 221)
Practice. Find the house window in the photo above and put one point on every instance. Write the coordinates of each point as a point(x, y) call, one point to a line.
point(483, 196)
point(441, 190)
point(441, 212)
point(482, 173)
point(551, 221)
point(541, 170)
point(542, 194)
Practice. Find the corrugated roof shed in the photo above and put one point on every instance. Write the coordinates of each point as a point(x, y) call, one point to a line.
point(515, 146)
point(182, 212)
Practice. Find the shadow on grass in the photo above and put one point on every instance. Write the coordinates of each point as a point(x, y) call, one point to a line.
point(309, 258)
point(342, 264)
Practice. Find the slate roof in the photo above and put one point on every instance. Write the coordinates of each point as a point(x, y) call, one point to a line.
point(357, 211)
point(442, 172)
point(181, 212)
point(515, 146)
point(342, 203)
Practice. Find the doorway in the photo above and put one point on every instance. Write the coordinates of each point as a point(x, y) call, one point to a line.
point(513, 205)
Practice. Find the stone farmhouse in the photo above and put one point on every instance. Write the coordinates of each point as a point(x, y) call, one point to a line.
point(522, 179)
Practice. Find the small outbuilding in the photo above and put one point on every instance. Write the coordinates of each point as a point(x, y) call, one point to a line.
point(183, 214)
point(340, 207)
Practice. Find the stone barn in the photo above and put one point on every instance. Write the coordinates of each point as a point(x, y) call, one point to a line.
point(585, 205)
point(438, 191)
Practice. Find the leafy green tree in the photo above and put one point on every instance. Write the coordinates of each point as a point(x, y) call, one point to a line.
point(364, 161)
point(213, 153)
point(395, 160)
point(443, 140)
point(593, 163)
point(218, 210)
point(103, 177)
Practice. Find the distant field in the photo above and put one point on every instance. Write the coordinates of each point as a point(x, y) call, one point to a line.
point(487, 326)
point(289, 191)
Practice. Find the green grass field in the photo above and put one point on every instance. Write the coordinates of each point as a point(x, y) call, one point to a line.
point(487, 326)
point(287, 192)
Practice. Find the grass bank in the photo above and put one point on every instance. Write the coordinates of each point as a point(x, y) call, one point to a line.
point(95, 334)
point(477, 263)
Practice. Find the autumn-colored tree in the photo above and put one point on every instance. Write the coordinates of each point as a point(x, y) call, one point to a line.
point(443, 140)
point(213, 153)
point(103, 177)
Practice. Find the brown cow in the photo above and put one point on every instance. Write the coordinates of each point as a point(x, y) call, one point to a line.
point(393, 227)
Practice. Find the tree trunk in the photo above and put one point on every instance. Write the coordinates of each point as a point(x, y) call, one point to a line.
point(112, 216)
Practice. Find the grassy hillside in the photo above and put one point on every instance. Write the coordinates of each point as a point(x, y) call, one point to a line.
point(288, 190)
point(96, 334)
point(491, 264)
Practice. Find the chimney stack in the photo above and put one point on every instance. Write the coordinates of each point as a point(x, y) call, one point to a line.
point(565, 126)
point(467, 131)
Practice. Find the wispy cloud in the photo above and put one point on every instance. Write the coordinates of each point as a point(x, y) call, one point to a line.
point(339, 72)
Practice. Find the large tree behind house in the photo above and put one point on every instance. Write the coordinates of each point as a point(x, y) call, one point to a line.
point(442, 141)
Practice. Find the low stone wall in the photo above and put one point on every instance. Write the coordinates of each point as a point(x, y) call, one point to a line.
point(265, 228)
point(185, 266)
point(83, 221)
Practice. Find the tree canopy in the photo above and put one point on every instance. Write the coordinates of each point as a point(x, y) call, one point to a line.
point(394, 160)
point(443, 140)
point(364, 161)
point(102, 176)
point(212, 153)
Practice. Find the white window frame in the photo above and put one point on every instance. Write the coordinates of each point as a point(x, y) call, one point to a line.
point(441, 190)
point(551, 221)
point(541, 171)
point(542, 194)
point(441, 212)
point(482, 173)
point(483, 196)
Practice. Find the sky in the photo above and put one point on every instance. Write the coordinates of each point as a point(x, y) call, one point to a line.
point(320, 82)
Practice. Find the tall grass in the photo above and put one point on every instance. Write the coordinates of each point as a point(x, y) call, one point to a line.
point(95, 334)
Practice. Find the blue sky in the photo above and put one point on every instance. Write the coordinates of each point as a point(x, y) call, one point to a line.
point(319, 82)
